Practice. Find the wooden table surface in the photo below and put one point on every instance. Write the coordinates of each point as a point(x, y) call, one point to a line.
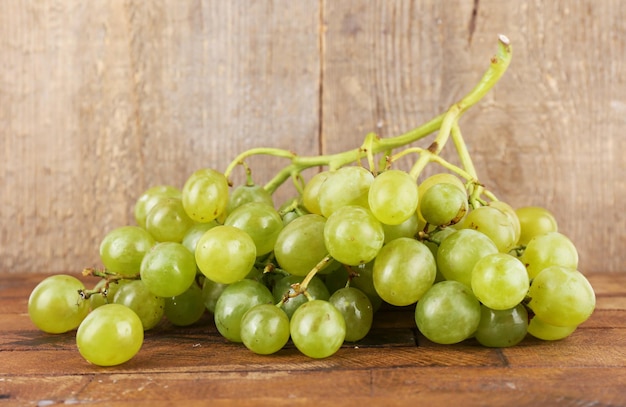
point(394, 365)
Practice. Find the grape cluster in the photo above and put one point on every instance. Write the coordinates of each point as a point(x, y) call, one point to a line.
point(316, 269)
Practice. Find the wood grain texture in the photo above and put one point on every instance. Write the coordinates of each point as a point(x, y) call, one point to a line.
point(101, 99)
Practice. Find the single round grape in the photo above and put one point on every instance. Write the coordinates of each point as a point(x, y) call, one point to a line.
point(194, 233)
point(403, 271)
point(187, 308)
point(110, 335)
point(408, 228)
point(357, 312)
point(123, 249)
point(244, 194)
point(443, 204)
point(311, 192)
point(346, 186)
point(549, 249)
point(535, 221)
point(97, 300)
point(494, 223)
point(364, 281)
point(459, 252)
point(316, 290)
point(235, 301)
point(317, 329)
point(439, 178)
point(300, 245)
point(502, 328)
point(151, 197)
point(260, 221)
point(511, 214)
point(167, 221)
point(168, 270)
point(392, 197)
point(353, 235)
point(205, 195)
point(55, 305)
point(500, 281)
point(264, 329)
point(211, 292)
point(562, 297)
point(225, 254)
point(448, 313)
point(547, 332)
point(136, 296)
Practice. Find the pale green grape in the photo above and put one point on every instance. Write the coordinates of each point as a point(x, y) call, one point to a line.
point(459, 252)
point(353, 235)
point(535, 221)
point(167, 221)
point(443, 204)
point(168, 269)
point(260, 221)
point(211, 292)
point(357, 312)
point(403, 271)
point(234, 302)
point(205, 195)
point(346, 186)
point(151, 197)
point(549, 249)
point(264, 329)
point(438, 178)
point(502, 328)
point(562, 297)
point(364, 281)
point(122, 249)
point(244, 194)
point(316, 290)
point(194, 233)
point(408, 228)
point(136, 296)
point(225, 254)
point(110, 335)
point(300, 245)
point(311, 192)
point(448, 313)
point(97, 300)
point(511, 214)
point(187, 308)
point(547, 332)
point(317, 329)
point(392, 197)
point(500, 281)
point(55, 305)
point(494, 223)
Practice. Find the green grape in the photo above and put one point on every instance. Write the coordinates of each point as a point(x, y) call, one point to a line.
point(311, 192)
point(357, 312)
point(443, 204)
point(244, 194)
point(448, 313)
point(264, 329)
point(408, 228)
point(300, 245)
point(549, 249)
point(443, 177)
point(97, 300)
point(316, 290)
point(211, 292)
point(392, 197)
point(499, 281)
point(205, 195)
point(459, 252)
point(136, 296)
point(317, 329)
point(502, 328)
point(435, 238)
point(494, 223)
point(260, 221)
point(194, 233)
point(292, 210)
point(123, 249)
point(512, 216)
point(403, 271)
point(353, 235)
point(534, 221)
point(167, 221)
point(346, 186)
point(110, 335)
point(235, 301)
point(168, 270)
point(151, 197)
point(225, 254)
point(187, 308)
point(55, 305)
point(547, 332)
point(364, 281)
point(562, 297)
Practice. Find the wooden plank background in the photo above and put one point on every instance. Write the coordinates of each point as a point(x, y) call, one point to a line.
point(102, 99)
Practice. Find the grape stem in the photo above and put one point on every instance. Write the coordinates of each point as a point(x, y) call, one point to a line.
point(446, 124)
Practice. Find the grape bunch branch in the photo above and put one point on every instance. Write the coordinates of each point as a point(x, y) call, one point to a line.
point(358, 235)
